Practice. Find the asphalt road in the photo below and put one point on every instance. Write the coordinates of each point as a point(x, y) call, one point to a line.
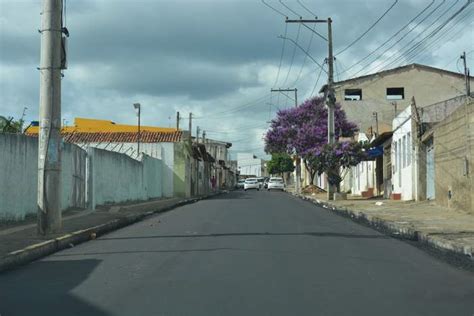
point(242, 253)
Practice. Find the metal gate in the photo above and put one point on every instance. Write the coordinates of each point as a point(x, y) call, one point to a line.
point(430, 171)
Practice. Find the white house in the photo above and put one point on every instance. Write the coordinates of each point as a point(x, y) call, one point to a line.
point(404, 166)
point(362, 176)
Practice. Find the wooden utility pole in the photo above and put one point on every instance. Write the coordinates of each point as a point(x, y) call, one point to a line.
point(177, 120)
point(466, 74)
point(49, 144)
point(331, 98)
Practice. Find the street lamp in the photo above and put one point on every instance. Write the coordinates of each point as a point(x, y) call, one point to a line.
point(137, 106)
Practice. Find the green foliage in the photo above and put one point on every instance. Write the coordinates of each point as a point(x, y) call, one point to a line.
point(10, 125)
point(280, 162)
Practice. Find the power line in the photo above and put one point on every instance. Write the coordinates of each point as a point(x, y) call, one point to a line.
point(433, 33)
point(235, 109)
point(304, 7)
point(305, 57)
point(294, 12)
point(446, 32)
point(293, 56)
point(317, 81)
point(281, 56)
point(400, 39)
point(277, 11)
point(398, 57)
point(311, 57)
point(390, 38)
point(368, 30)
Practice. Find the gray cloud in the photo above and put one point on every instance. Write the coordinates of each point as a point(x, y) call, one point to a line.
point(202, 56)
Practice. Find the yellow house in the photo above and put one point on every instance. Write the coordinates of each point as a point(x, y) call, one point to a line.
point(85, 125)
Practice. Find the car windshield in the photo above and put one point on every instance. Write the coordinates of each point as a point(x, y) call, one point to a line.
point(250, 180)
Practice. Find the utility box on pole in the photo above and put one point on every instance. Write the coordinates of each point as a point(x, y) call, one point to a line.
point(49, 150)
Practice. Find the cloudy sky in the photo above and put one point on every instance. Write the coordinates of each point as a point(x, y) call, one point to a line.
point(216, 58)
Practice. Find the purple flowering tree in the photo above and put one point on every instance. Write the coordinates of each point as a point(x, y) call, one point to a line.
point(303, 131)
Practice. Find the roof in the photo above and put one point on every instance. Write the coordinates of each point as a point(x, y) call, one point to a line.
point(401, 69)
point(86, 125)
point(381, 138)
point(125, 137)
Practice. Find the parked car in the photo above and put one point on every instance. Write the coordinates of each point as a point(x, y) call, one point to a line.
point(260, 181)
point(251, 183)
point(276, 184)
point(240, 184)
point(265, 183)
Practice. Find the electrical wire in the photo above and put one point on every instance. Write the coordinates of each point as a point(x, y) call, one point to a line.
point(294, 12)
point(299, 46)
point(368, 30)
point(401, 53)
point(430, 35)
point(281, 57)
point(293, 56)
point(391, 37)
point(436, 42)
point(277, 11)
point(317, 81)
point(365, 70)
point(304, 7)
point(305, 58)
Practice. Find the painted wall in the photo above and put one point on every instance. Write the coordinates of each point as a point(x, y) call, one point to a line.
point(403, 157)
point(248, 165)
point(426, 86)
point(162, 151)
point(19, 174)
point(454, 152)
point(119, 178)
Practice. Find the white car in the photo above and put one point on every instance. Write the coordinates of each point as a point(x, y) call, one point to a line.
point(251, 183)
point(276, 184)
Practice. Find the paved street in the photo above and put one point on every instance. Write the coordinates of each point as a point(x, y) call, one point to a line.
point(242, 253)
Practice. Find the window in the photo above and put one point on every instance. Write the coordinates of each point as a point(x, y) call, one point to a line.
point(399, 155)
point(409, 151)
point(353, 94)
point(395, 93)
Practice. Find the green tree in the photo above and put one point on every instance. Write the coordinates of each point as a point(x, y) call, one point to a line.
point(10, 125)
point(280, 162)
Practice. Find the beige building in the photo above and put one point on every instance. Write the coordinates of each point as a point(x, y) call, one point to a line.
point(388, 93)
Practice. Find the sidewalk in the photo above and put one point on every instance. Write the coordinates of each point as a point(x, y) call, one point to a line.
point(450, 231)
point(19, 243)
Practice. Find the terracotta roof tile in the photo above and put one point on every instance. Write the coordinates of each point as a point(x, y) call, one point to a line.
point(123, 137)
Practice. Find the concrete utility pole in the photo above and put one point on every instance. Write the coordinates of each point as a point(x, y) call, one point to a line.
point(376, 116)
point(138, 107)
point(297, 160)
point(190, 127)
point(466, 74)
point(177, 120)
point(49, 148)
point(198, 130)
point(331, 98)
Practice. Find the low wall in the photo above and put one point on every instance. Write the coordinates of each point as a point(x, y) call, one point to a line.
point(19, 176)
point(110, 177)
point(116, 178)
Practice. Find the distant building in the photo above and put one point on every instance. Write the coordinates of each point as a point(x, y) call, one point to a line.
point(388, 92)
point(249, 165)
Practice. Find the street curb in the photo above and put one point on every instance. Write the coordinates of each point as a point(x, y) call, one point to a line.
point(464, 253)
point(34, 252)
